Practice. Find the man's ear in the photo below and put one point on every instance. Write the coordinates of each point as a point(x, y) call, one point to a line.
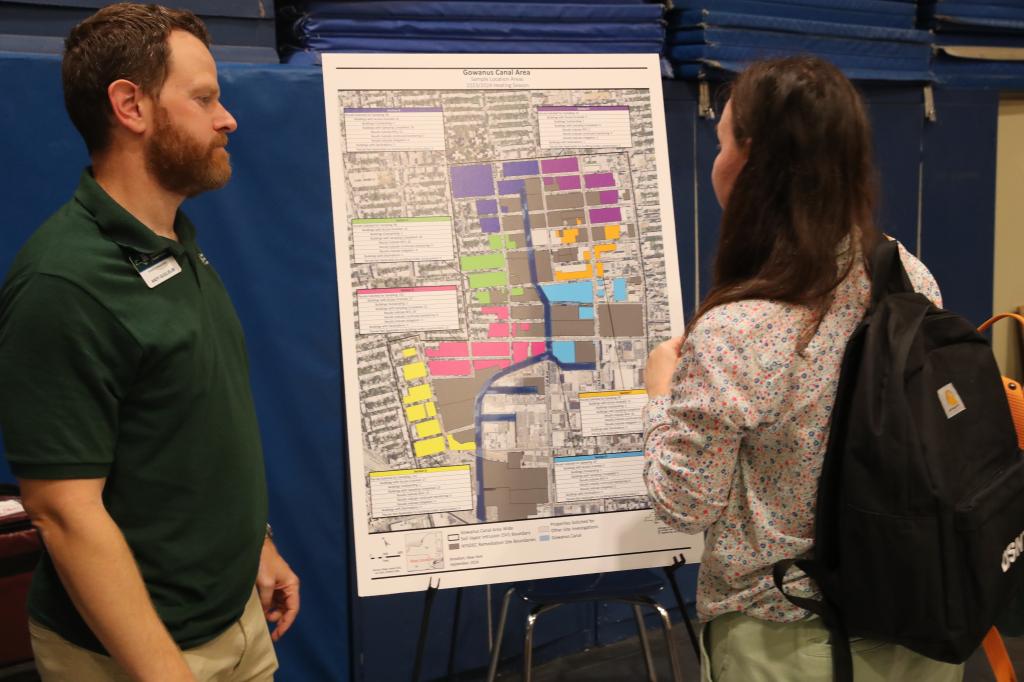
point(129, 104)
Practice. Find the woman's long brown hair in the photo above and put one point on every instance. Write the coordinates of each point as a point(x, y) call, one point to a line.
point(809, 182)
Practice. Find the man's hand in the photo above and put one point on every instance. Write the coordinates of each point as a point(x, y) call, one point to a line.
point(278, 587)
point(661, 365)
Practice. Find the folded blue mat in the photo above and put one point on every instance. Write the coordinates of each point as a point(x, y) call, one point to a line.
point(830, 47)
point(691, 18)
point(888, 13)
point(455, 10)
point(409, 29)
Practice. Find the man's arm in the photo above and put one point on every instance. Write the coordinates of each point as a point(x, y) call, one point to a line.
point(97, 568)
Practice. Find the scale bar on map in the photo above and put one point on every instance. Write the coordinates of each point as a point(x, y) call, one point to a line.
point(584, 127)
point(420, 491)
point(408, 309)
point(405, 129)
point(393, 240)
point(593, 477)
point(605, 413)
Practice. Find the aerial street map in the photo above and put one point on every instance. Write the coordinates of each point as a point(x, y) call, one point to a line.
point(506, 259)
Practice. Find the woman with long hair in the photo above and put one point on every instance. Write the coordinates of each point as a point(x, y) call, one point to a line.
point(738, 417)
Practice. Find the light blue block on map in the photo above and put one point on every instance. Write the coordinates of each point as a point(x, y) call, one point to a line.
point(565, 351)
point(570, 292)
point(619, 289)
point(586, 312)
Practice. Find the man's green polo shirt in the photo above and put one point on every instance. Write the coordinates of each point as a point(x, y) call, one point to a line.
point(103, 376)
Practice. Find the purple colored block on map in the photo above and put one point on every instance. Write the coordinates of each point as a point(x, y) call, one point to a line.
point(490, 225)
point(472, 181)
point(569, 164)
point(393, 110)
point(568, 181)
point(618, 107)
point(608, 196)
point(511, 169)
point(605, 215)
point(510, 186)
point(490, 206)
point(595, 180)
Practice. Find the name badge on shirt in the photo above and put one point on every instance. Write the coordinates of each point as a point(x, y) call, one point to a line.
point(155, 269)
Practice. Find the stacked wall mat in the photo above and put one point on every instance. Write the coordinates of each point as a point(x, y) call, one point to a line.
point(308, 28)
point(867, 39)
point(242, 30)
point(977, 43)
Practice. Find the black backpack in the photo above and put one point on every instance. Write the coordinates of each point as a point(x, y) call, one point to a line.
point(919, 528)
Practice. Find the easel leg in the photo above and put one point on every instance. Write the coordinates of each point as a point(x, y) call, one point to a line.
point(428, 604)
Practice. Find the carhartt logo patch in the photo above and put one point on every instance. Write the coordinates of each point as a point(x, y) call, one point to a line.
point(202, 258)
point(952, 405)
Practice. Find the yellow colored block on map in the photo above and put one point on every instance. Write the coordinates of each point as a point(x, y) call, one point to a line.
point(602, 249)
point(411, 352)
point(414, 370)
point(430, 446)
point(417, 394)
point(612, 231)
point(430, 428)
point(569, 235)
point(431, 410)
point(567, 275)
point(415, 413)
point(453, 444)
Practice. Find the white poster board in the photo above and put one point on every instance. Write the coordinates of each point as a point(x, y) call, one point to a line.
point(506, 258)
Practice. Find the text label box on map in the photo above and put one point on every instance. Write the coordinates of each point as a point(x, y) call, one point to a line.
point(593, 477)
point(405, 129)
point(604, 413)
point(584, 127)
point(420, 491)
point(408, 309)
point(392, 240)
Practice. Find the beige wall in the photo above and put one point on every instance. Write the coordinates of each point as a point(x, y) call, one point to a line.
point(1008, 290)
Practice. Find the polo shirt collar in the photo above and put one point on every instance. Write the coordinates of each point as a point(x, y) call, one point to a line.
point(123, 228)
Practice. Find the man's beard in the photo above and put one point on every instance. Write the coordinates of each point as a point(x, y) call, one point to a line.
point(183, 165)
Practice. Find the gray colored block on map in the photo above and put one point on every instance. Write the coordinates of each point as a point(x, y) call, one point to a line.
point(456, 398)
point(572, 328)
point(620, 319)
point(527, 312)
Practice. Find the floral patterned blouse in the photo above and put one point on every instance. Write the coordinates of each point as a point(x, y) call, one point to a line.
point(737, 448)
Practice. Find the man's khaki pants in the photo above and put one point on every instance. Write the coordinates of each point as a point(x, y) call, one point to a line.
point(242, 653)
point(746, 649)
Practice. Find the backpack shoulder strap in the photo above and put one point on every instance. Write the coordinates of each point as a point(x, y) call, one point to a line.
point(842, 658)
point(887, 273)
point(998, 658)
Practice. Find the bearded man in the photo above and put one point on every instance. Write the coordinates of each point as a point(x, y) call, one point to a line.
point(125, 405)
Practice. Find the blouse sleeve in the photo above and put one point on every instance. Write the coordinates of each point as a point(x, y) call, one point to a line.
point(722, 387)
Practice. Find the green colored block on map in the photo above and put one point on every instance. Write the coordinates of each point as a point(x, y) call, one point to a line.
point(516, 291)
point(489, 261)
point(488, 279)
point(483, 297)
point(501, 241)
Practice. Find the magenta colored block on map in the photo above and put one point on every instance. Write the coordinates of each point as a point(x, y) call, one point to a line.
point(490, 225)
point(449, 368)
point(484, 364)
point(605, 215)
point(567, 165)
point(472, 181)
point(510, 186)
point(608, 196)
point(501, 312)
point(537, 347)
point(449, 349)
point(490, 349)
point(520, 351)
point(568, 181)
point(498, 330)
point(595, 180)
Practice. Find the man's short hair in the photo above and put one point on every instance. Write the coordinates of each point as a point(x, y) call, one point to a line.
point(125, 40)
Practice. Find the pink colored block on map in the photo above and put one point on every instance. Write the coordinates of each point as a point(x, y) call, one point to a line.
point(523, 326)
point(449, 368)
point(520, 351)
point(536, 348)
point(449, 349)
point(500, 311)
point(498, 330)
point(484, 364)
point(490, 349)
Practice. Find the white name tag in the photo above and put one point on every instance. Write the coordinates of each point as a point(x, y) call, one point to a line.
point(157, 271)
point(952, 404)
